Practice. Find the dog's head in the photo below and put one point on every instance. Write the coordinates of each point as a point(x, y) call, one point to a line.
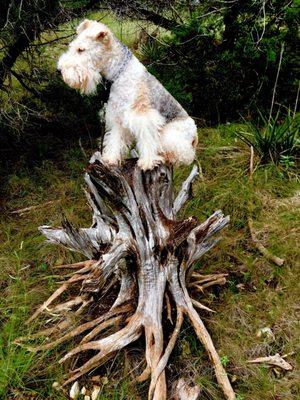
point(88, 54)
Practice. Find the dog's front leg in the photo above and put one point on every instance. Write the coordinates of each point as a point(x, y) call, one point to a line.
point(146, 130)
point(115, 146)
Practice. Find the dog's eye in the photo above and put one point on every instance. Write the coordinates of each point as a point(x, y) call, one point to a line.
point(80, 50)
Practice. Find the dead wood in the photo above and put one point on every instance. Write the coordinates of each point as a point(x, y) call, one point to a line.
point(275, 360)
point(140, 264)
point(21, 211)
point(261, 248)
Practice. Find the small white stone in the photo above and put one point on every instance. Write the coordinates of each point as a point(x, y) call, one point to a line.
point(83, 390)
point(74, 391)
point(95, 392)
point(265, 332)
point(56, 385)
point(87, 398)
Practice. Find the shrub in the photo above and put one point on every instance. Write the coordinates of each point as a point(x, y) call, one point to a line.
point(272, 139)
point(228, 62)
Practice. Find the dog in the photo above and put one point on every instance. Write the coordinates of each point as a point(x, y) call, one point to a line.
point(139, 108)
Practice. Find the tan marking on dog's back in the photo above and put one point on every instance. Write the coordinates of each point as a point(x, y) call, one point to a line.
point(142, 101)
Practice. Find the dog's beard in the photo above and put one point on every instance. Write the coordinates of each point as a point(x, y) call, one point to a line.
point(86, 80)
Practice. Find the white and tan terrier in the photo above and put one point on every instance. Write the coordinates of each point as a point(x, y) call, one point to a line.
point(139, 108)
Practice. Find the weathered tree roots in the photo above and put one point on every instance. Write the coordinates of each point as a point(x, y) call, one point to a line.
point(139, 270)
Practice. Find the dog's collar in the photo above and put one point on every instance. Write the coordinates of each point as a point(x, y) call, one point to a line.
point(126, 57)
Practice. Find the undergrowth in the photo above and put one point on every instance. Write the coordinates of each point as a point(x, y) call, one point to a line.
point(274, 139)
point(257, 294)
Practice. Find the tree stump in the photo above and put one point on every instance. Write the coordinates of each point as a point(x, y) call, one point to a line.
point(139, 267)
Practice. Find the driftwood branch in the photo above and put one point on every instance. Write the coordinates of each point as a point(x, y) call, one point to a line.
point(142, 256)
point(261, 248)
point(186, 190)
point(276, 361)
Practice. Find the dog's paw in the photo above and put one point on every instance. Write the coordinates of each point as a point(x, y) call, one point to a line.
point(111, 161)
point(148, 163)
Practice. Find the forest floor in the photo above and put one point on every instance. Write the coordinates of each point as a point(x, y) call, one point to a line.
point(258, 293)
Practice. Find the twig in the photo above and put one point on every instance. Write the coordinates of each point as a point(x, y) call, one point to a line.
point(251, 163)
point(264, 24)
point(31, 208)
point(82, 149)
point(276, 360)
point(296, 101)
point(277, 260)
point(276, 80)
point(51, 41)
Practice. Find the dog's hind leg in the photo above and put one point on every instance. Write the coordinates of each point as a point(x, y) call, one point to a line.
point(179, 140)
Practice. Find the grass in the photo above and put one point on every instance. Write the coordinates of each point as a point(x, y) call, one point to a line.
point(275, 140)
point(25, 260)
point(257, 294)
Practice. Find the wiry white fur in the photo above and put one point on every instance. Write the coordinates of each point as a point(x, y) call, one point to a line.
point(177, 138)
point(116, 143)
point(85, 78)
point(81, 64)
point(146, 130)
point(95, 52)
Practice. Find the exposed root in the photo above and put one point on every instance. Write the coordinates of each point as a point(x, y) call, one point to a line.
point(144, 375)
point(112, 343)
point(84, 327)
point(200, 278)
point(154, 348)
point(66, 306)
point(169, 309)
point(137, 247)
point(201, 306)
point(87, 367)
point(56, 329)
point(77, 265)
point(47, 303)
point(100, 328)
point(165, 357)
point(106, 347)
point(207, 342)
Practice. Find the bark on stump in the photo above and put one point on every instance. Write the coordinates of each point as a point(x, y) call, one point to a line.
point(137, 245)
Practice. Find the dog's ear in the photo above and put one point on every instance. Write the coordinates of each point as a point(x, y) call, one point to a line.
point(102, 36)
point(82, 26)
